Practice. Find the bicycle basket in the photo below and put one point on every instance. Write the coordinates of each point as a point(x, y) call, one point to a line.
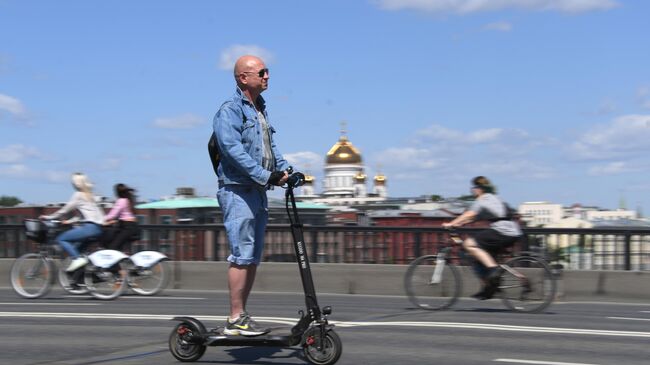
point(35, 230)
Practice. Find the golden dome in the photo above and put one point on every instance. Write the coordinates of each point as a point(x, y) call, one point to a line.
point(380, 179)
point(343, 152)
point(309, 179)
point(360, 177)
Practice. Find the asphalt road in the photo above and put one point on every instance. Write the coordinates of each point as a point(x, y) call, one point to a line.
point(61, 329)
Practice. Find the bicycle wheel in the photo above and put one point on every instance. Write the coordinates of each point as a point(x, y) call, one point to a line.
point(149, 281)
point(32, 275)
point(67, 280)
point(105, 283)
point(428, 291)
point(527, 284)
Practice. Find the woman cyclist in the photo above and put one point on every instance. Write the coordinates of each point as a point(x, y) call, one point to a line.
point(92, 218)
point(121, 215)
point(483, 245)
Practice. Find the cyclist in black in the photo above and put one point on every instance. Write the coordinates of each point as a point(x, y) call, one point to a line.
point(483, 245)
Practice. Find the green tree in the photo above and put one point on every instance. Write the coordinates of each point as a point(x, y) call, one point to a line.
point(9, 201)
point(436, 197)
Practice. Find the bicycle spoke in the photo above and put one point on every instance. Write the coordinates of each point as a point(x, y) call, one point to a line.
point(428, 291)
point(527, 284)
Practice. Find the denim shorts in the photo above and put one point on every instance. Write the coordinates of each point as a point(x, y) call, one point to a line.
point(245, 214)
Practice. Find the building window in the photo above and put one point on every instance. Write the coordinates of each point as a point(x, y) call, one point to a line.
point(142, 219)
point(165, 234)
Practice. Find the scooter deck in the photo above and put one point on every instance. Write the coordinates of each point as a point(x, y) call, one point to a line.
point(216, 337)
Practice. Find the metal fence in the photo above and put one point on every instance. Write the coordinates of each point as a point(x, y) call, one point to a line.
point(581, 249)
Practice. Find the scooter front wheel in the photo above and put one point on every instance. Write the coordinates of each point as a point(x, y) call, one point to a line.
point(184, 343)
point(330, 351)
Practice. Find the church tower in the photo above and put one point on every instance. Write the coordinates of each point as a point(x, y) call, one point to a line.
point(343, 164)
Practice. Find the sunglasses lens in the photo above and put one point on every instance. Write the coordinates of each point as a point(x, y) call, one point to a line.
point(263, 71)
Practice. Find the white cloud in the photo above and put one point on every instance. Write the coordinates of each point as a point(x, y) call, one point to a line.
point(408, 158)
point(232, 53)
point(444, 136)
point(499, 26)
point(306, 161)
point(15, 171)
point(12, 158)
point(517, 168)
point(475, 6)
point(185, 121)
point(23, 172)
point(612, 168)
point(17, 152)
point(607, 106)
point(12, 106)
point(442, 158)
point(625, 135)
point(4, 62)
point(56, 176)
point(110, 164)
point(643, 96)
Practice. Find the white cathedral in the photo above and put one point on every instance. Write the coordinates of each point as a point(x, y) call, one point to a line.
point(345, 180)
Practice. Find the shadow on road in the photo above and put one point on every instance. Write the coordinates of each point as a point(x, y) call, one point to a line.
point(257, 355)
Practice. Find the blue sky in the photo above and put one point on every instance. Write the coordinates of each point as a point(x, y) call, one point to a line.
point(548, 98)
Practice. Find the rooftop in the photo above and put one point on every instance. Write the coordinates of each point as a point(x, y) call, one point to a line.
point(206, 202)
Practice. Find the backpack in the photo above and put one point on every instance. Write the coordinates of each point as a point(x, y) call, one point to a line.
point(213, 149)
point(511, 214)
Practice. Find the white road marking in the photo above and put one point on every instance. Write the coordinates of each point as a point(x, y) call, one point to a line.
point(42, 303)
point(630, 318)
point(139, 297)
point(159, 298)
point(292, 321)
point(521, 361)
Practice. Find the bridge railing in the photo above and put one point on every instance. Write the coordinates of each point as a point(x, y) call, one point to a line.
point(588, 249)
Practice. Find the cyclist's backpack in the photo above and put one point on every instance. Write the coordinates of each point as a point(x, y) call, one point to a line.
point(511, 213)
point(213, 149)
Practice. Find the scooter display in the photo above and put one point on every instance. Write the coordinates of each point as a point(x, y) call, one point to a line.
point(321, 345)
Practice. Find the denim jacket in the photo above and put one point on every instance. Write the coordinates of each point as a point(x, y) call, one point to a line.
point(241, 143)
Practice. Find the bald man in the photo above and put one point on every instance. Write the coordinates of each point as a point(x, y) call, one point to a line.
point(250, 164)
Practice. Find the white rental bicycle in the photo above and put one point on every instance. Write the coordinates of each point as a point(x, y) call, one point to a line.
point(149, 273)
point(33, 274)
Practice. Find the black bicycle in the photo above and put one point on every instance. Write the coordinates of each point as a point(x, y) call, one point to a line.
point(527, 283)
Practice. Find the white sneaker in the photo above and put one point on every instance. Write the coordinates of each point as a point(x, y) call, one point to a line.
point(77, 263)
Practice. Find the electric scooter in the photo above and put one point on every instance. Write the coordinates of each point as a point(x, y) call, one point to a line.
point(321, 345)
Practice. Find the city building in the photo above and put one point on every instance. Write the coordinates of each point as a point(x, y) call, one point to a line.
point(536, 214)
point(345, 180)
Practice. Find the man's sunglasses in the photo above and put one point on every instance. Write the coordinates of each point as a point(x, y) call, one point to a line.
point(260, 73)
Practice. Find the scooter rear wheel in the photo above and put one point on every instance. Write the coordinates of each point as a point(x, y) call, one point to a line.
point(183, 345)
point(331, 350)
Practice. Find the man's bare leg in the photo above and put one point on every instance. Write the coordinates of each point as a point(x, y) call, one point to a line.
point(240, 283)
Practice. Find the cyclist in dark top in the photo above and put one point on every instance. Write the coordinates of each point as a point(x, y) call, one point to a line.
point(483, 245)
